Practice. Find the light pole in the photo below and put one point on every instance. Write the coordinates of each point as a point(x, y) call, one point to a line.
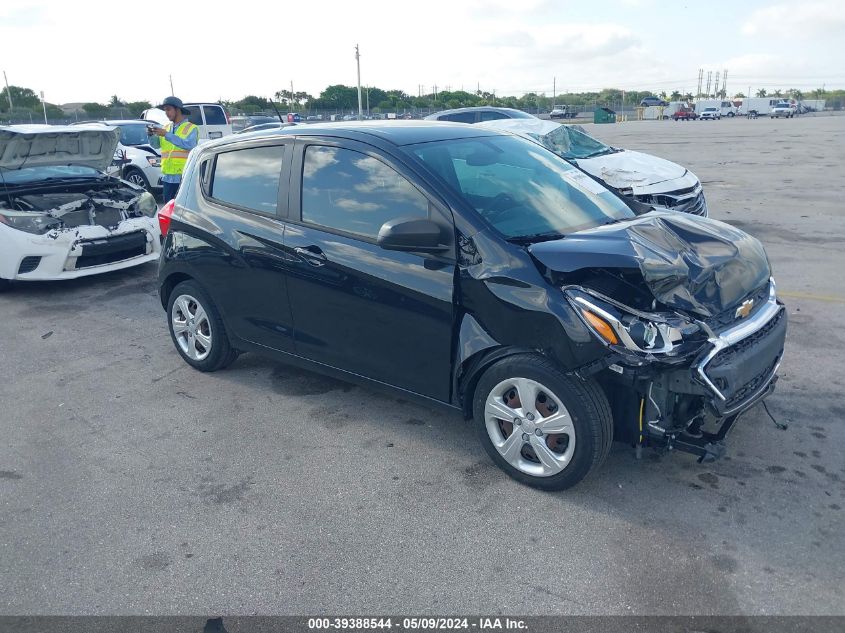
point(8, 94)
point(44, 105)
point(358, 62)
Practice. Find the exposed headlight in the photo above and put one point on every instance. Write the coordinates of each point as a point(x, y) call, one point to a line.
point(154, 161)
point(37, 223)
point(629, 330)
point(146, 204)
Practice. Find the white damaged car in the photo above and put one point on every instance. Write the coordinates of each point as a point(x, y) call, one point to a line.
point(635, 176)
point(61, 215)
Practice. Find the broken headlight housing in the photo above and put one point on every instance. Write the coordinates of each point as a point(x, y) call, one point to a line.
point(146, 205)
point(37, 223)
point(634, 332)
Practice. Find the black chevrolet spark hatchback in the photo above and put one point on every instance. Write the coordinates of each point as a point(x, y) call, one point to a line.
point(478, 271)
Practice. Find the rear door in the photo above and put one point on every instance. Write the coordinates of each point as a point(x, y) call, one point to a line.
point(244, 199)
point(386, 315)
point(216, 122)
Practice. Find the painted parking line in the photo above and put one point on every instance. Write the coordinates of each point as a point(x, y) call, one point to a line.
point(812, 297)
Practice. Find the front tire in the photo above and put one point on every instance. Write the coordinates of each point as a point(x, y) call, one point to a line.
point(137, 177)
point(197, 329)
point(542, 427)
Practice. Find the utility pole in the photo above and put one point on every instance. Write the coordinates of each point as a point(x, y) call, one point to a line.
point(8, 93)
point(171, 85)
point(291, 93)
point(368, 101)
point(725, 82)
point(358, 62)
point(716, 87)
point(554, 89)
point(44, 106)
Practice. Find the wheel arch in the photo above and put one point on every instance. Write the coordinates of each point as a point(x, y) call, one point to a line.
point(169, 283)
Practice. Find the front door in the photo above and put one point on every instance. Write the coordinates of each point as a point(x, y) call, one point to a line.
point(385, 315)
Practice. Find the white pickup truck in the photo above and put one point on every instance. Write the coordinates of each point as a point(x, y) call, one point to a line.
point(783, 109)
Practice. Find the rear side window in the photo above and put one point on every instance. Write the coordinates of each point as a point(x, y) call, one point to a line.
point(492, 115)
point(459, 117)
point(249, 178)
point(195, 116)
point(214, 115)
point(349, 191)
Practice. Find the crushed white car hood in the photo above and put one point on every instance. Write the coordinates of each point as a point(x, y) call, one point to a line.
point(52, 145)
point(623, 169)
point(626, 169)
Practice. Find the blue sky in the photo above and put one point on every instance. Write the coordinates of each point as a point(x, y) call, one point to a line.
point(85, 50)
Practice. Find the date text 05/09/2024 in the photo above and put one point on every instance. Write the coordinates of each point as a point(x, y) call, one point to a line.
point(417, 623)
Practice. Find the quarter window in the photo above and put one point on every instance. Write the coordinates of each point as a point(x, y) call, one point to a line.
point(349, 191)
point(249, 177)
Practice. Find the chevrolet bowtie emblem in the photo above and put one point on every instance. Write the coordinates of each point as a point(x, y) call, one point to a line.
point(745, 309)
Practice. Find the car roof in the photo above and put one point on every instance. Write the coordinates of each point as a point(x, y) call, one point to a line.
point(117, 122)
point(393, 132)
point(479, 109)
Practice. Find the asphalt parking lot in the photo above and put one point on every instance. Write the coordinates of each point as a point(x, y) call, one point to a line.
point(131, 484)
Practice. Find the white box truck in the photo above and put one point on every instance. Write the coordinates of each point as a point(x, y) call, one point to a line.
point(726, 108)
point(763, 105)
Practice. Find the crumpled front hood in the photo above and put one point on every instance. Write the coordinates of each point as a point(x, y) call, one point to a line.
point(631, 169)
point(688, 263)
point(52, 145)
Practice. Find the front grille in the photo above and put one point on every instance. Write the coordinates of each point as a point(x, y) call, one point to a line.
point(28, 264)
point(112, 249)
point(690, 200)
point(728, 354)
point(751, 387)
point(728, 317)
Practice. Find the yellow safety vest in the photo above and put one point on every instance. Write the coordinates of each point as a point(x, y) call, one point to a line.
point(173, 158)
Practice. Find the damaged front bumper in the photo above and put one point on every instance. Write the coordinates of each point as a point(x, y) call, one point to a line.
point(692, 405)
point(77, 252)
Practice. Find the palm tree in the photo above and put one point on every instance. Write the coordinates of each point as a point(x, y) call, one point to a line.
point(778, 93)
point(761, 92)
point(676, 96)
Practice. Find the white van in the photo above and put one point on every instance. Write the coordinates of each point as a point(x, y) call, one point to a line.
point(211, 118)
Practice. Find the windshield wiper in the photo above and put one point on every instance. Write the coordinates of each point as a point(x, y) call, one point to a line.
point(536, 237)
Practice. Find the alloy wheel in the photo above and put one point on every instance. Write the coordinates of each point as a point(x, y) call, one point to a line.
point(191, 327)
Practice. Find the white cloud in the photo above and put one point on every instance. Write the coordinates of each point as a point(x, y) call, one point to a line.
point(797, 20)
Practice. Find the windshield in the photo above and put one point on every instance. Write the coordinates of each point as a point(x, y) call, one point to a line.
point(33, 174)
point(709, 109)
point(520, 188)
point(134, 134)
point(570, 143)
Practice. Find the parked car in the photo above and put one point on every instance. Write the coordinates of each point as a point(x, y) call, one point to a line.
point(211, 119)
point(478, 114)
point(61, 215)
point(563, 112)
point(478, 272)
point(653, 101)
point(242, 122)
point(710, 114)
point(294, 117)
point(685, 114)
point(642, 180)
point(137, 158)
point(783, 109)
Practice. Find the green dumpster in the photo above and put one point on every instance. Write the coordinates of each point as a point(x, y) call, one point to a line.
point(604, 115)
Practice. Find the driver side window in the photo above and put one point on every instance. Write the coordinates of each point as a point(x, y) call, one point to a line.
point(345, 190)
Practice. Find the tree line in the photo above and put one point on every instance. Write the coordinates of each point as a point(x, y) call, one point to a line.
point(340, 98)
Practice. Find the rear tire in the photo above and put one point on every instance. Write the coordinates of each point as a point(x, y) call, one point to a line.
point(5, 284)
point(564, 430)
point(197, 329)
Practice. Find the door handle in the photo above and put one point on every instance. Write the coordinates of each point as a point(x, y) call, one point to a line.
point(311, 254)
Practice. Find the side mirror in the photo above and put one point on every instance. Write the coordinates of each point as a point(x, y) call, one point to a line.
point(411, 235)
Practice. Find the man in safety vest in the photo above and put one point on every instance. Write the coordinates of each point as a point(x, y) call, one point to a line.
point(179, 137)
